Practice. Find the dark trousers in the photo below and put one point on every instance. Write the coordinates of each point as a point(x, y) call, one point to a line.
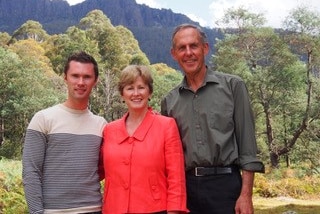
point(214, 194)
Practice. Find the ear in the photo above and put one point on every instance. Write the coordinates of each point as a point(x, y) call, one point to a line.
point(173, 54)
point(96, 82)
point(206, 48)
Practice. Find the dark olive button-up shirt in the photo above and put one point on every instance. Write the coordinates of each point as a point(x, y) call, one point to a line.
point(216, 122)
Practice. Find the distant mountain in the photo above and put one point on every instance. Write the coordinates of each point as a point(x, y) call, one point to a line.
point(151, 27)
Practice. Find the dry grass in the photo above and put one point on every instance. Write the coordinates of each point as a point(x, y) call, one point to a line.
point(282, 205)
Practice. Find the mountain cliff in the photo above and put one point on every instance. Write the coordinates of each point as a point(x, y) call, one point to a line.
point(151, 27)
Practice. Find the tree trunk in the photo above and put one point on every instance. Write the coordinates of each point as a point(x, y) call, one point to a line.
point(1, 131)
point(274, 159)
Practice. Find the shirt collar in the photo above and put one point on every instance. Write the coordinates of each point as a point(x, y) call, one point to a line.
point(210, 77)
point(143, 128)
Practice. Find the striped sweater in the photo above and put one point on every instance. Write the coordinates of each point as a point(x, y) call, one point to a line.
point(60, 161)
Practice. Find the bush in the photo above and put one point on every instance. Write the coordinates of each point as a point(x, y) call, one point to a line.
point(287, 182)
point(12, 199)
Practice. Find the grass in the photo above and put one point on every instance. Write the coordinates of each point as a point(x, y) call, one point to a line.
point(280, 205)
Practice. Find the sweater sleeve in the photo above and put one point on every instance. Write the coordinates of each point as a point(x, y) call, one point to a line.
point(32, 163)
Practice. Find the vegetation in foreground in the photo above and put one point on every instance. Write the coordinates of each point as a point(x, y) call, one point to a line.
point(285, 205)
point(277, 192)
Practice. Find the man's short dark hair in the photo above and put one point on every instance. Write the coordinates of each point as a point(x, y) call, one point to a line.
point(82, 57)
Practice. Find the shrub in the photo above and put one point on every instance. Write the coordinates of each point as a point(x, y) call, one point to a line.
point(287, 182)
point(12, 199)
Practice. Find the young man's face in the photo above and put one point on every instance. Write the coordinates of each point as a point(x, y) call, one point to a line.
point(80, 80)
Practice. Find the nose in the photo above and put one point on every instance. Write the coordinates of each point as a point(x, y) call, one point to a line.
point(136, 91)
point(81, 81)
point(188, 50)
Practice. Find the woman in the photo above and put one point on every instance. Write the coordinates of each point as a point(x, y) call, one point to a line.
point(142, 154)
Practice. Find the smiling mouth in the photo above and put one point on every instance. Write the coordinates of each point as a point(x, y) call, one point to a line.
point(80, 90)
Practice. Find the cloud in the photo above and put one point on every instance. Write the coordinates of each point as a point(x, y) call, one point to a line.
point(73, 2)
point(196, 18)
point(150, 3)
point(275, 11)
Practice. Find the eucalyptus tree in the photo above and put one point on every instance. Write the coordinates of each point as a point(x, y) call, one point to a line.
point(60, 47)
point(130, 46)
point(29, 30)
point(99, 28)
point(25, 87)
point(240, 19)
point(4, 39)
point(117, 48)
point(303, 27)
point(273, 75)
point(165, 78)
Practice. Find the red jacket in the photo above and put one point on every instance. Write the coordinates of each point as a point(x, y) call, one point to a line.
point(144, 173)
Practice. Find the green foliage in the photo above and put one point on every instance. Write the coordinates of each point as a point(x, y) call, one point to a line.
point(30, 30)
point(12, 199)
point(165, 79)
point(241, 18)
point(4, 39)
point(24, 89)
point(282, 89)
point(303, 20)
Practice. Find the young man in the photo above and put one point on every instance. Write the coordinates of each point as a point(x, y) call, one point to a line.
point(216, 126)
point(61, 149)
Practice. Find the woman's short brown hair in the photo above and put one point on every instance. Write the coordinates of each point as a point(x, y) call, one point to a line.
point(130, 73)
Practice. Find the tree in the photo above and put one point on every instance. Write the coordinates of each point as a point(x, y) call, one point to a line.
point(274, 77)
point(165, 79)
point(117, 48)
point(60, 47)
point(303, 26)
point(29, 30)
point(241, 19)
point(24, 89)
point(4, 39)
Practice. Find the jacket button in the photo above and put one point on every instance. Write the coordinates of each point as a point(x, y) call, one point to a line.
point(131, 139)
point(125, 186)
point(126, 161)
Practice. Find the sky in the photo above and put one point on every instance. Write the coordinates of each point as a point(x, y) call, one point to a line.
point(208, 12)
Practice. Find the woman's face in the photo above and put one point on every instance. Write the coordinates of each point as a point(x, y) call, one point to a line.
point(136, 95)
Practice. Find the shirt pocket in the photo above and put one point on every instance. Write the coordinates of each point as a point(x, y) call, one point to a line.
point(222, 120)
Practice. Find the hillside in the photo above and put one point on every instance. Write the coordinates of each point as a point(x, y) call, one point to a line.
point(151, 27)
